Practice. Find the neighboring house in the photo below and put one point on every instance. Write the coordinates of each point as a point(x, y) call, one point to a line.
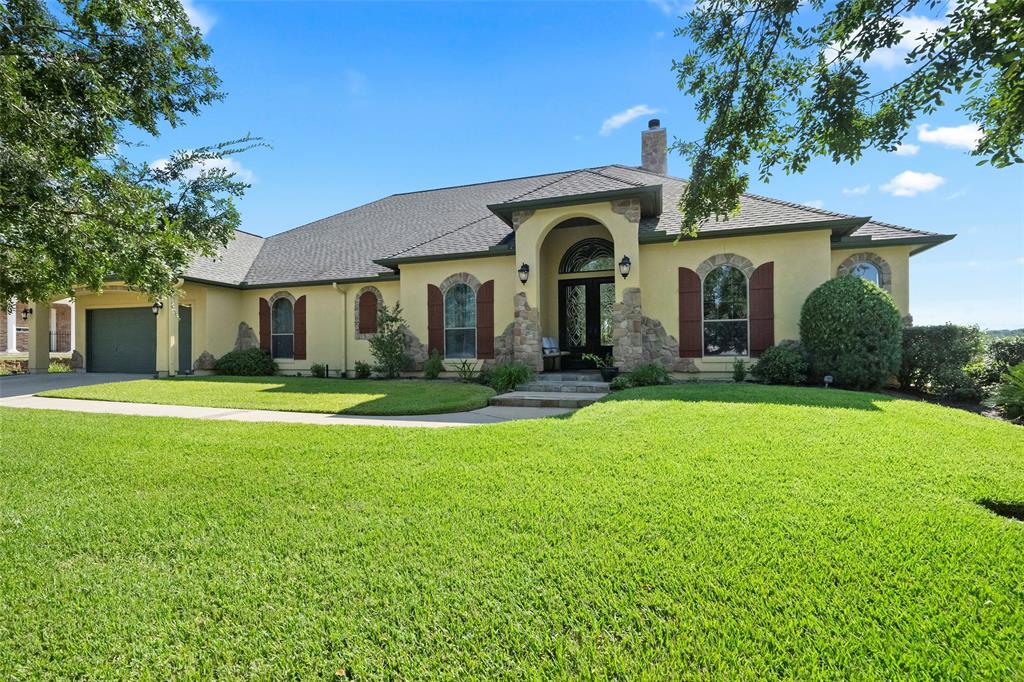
point(14, 328)
point(590, 258)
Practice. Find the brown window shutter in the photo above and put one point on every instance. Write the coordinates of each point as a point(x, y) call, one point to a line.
point(299, 352)
point(762, 309)
point(265, 324)
point(368, 313)
point(485, 320)
point(435, 320)
point(690, 334)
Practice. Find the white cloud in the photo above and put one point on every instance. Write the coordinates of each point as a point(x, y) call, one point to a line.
point(199, 17)
point(623, 117)
point(815, 203)
point(910, 183)
point(917, 29)
point(355, 81)
point(672, 8)
point(965, 136)
point(859, 189)
point(906, 149)
point(230, 165)
point(659, 35)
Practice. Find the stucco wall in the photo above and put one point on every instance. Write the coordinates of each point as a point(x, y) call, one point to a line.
point(359, 349)
point(802, 262)
point(325, 333)
point(898, 258)
point(416, 277)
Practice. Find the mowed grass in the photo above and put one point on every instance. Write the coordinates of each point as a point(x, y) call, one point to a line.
point(709, 532)
point(293, 394)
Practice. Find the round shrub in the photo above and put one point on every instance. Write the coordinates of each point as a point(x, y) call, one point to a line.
point(363, 369)
point(651, 374)
point(853, 331)
point(251, 362)
point(434, 365)
point(782, 364)
point(508, 375)
point(620, 383)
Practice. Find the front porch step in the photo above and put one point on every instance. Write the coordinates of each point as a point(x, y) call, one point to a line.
point(556, 377)
point(565, 386)
point(546, 399)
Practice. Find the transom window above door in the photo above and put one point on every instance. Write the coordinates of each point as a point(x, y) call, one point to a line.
point(588, 255)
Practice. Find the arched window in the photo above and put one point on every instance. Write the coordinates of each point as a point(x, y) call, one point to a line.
point(459, 322)
point(282, 331)
point(366, 311)
point(725, 312)
point(866, 270)
point(588, 255)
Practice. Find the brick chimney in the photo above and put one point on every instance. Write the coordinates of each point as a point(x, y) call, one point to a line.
point(654, 148)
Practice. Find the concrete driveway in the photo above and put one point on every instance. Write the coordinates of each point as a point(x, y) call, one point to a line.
point(30, 384)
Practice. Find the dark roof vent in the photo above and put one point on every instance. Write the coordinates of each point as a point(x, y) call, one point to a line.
point(654, 123)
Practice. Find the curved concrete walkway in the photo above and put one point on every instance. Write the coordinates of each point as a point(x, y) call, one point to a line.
point(485, 415)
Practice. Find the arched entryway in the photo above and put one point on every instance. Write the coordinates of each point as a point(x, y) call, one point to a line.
point(579, 258)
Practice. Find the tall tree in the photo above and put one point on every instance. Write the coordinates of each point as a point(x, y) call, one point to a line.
point(784, 81)
point(77, 80)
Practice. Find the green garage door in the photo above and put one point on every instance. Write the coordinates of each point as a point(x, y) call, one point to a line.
point(120, 340)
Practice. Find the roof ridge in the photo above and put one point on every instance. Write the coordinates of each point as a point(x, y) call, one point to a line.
point(599, 169)
point(436, 237)
point(485, 182)
point(564, 176)
point(328, 217)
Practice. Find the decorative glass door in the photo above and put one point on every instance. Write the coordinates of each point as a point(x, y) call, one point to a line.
point(585, 318)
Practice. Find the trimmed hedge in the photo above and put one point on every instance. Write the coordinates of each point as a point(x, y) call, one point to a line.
point(853, 331)
point(252, 362)
point(935, 358)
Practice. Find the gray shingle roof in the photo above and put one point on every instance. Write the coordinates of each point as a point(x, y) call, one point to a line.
point(456, 220)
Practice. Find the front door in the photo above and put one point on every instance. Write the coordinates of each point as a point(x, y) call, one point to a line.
point(585, 318)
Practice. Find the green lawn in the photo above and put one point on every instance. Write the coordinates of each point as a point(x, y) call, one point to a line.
point(713, 532)
point(293, 394)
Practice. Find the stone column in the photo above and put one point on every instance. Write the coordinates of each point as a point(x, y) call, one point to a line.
point(526, 334)
point(627, 330)
point(39, 338)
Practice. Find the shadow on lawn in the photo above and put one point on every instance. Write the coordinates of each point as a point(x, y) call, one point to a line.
point(804, 396)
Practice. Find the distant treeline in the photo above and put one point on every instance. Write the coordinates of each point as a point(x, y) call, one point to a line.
point(999, 333)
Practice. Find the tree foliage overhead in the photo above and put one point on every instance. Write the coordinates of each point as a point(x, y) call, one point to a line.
point(78, 78)
point(785, 81)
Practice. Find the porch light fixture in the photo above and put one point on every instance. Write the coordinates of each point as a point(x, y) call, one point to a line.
point(624, 266)
point(25, 314)
point(157, 307)
point(524, 273)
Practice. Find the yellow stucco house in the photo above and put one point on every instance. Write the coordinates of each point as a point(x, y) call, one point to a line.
point(583, 261)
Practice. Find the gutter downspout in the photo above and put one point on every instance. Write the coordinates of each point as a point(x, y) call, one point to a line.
point(343, 290)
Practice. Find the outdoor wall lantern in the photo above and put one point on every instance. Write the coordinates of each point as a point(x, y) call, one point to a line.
point(624, 265)
point(157, 307)
point(524, 273)
point(25, 314)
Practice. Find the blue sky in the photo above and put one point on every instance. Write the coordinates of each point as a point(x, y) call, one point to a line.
point(364, 100)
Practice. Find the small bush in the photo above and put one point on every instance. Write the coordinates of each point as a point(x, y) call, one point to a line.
point(466, 369)
point(1009, 394)
point(935, 358)
point(998, 357)
point(318, 369)
point(434, 365)
point(508, 375)
point(739, 370)
point(390, 345)
point(651, 374)
point(252, 362)
point(59, 367)
point(853, 331)
point(621, 383)
point(782, 364)
point(363, 370)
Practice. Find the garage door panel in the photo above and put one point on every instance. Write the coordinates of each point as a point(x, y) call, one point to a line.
point(121, 340)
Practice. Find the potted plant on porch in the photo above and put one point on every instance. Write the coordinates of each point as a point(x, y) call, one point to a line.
point(605, 365)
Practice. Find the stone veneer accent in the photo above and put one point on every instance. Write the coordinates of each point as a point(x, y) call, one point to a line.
point(627, 207)
point(503, 346)
point(380, 302)
point(732, 259)
point(77, 361)
point(884, 271)
point(459, 278)
point(417, 350)
point(638, 340)
point(520, 217)
point(205, 362)
point(526, 334)
point(246, 337)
